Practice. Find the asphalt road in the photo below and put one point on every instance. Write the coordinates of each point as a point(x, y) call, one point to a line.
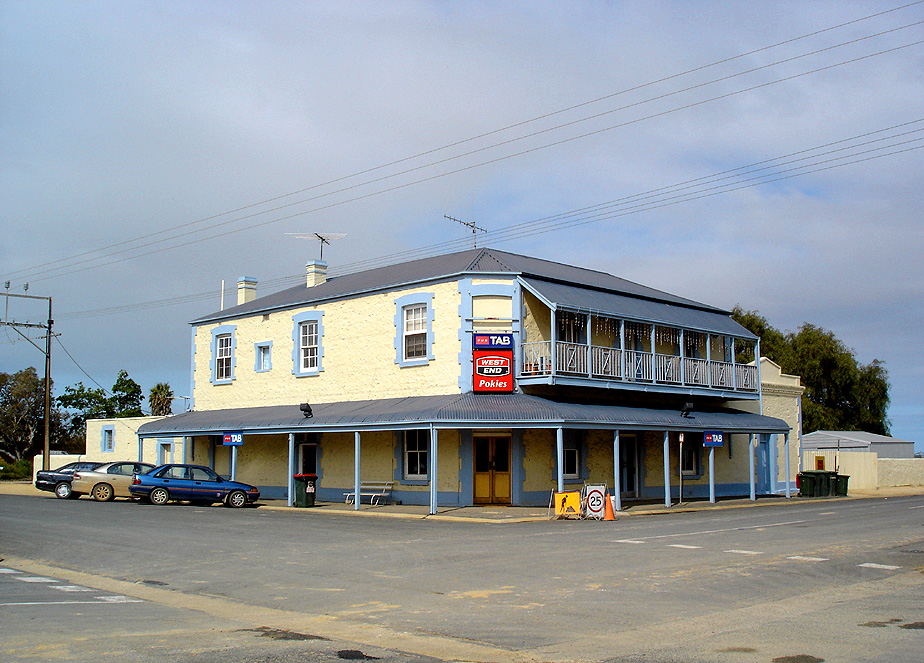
point(791, 583)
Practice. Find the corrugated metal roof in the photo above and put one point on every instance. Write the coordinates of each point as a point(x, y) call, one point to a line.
point(637, 308)
point(456, 411)
point(445, 267)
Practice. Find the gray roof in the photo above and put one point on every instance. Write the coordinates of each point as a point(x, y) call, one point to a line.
point(637, 308)
point(476, 262)
point(467, 410)
point(853, 438)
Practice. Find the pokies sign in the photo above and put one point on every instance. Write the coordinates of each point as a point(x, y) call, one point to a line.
point(492, 359)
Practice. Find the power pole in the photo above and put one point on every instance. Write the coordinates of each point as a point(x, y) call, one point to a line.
point(468, 224)
point(46, 452)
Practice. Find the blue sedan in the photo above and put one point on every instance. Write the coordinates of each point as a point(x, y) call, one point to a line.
point(193, 483)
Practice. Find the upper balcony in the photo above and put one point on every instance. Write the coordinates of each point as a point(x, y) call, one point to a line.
point(592, 350)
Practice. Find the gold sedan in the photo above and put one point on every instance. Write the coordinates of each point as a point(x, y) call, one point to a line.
point(108, 481)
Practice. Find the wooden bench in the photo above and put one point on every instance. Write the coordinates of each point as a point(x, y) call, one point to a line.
point(378, 492)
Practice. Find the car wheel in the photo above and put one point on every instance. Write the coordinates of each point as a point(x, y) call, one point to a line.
point(102, 492)
point(63, 490)
point(159, 496)
point(236, 498)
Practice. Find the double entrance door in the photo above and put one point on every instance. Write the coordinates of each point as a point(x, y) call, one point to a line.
point(492, 470)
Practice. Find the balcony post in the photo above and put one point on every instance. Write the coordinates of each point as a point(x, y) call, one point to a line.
point(622, 349)
point(733, 365)
point(590, 357)
point(683, 374)
point(554, 337)
point(709, 357)
point(654, 365)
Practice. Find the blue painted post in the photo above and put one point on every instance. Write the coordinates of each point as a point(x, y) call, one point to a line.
point(140, 449)
point(234, 463)
point(560, 458)
point(617, 472)
point(356, 479)
point(786, 452)
point(667, 470)
point(712, 474)
point(291, 491)
point(751, 465)
point(433, 472)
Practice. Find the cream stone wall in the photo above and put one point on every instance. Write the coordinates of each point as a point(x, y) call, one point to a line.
point(358, 360)
point(538, 460)
point(537, 319)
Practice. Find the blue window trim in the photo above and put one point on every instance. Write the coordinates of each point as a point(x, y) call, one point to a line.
point(297, 320)
point(102, 439)
point(221, 331)
point(468, 290)
point(576, 438)
point(400, 437)
point(401, 303)
point(256, 359)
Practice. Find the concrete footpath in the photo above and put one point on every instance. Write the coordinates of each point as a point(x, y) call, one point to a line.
point(515, 514)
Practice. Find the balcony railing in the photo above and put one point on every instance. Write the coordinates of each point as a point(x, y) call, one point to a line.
point(600, 363)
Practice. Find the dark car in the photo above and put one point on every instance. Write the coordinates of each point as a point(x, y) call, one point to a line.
point(59, 481)
point(191, 483)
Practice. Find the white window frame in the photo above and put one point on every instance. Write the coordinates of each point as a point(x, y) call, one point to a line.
point(224, 357)
point(414, 323)
point(309, 341)
point(263, 357)
point(414, 331)
point(572, 458)
point(420, 441)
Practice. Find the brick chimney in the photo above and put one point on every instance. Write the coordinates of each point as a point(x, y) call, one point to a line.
point(246, 289)
point(316, 272)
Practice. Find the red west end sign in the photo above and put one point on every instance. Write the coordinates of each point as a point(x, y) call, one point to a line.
point(493, 370)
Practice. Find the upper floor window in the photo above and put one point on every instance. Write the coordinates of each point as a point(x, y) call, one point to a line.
point(308, 347)
point(263, 356)
point(223, 357)
point(415, 332)
point(414, 329)
point(223, 342)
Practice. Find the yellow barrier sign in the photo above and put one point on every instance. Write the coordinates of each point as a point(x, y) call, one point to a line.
point(568, 504)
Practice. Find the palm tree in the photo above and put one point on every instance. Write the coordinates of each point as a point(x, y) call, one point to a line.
point(161, 400)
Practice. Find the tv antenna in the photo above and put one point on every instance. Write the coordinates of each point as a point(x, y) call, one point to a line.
point(468, 224)
point(323, 238)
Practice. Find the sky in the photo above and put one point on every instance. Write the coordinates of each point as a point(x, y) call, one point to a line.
point(766, 155)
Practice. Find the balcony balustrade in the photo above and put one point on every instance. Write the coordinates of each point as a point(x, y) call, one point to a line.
point(614, 364)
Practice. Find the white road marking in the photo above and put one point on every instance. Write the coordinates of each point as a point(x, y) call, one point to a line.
point(36, 579)
point(9, 571)
point(801, 558)
point(743, 552)
point(714, 531)
point(72, 588)
point(680, 545)
point(884, 567)
point(627, 541)
point(118, 598)
point(916, 507)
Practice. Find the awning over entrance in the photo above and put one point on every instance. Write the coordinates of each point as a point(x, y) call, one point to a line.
point(456, 411)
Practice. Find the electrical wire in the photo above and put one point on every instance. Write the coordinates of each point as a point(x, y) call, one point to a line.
point(97, 257)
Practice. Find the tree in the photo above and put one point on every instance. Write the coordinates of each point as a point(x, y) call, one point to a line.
point(22, 417)
point(161, 399)
point(840, 393)
point(124, 401)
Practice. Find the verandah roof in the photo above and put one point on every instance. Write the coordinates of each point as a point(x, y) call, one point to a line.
point(467, 410)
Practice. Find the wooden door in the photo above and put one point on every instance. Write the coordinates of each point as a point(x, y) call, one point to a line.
point(492, 470)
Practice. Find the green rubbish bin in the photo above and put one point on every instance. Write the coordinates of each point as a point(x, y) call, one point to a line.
point(842, 485)
point(305, 487)
point(806, 484)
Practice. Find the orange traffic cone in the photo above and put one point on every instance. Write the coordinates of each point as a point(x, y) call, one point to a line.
point(608, 511)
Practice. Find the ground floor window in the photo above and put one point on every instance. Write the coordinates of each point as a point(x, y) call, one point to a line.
point(415, 454)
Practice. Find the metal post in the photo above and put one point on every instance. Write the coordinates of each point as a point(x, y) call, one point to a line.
point(234, 463)
point(291, 480)
point(786, 451)
point(356, 479)
point(434, 465)
point(617, 472)
point(667, 470)
point(140, 449)
point(751, 466)
point(712, 474)
point(560, 458)
point(46, 452)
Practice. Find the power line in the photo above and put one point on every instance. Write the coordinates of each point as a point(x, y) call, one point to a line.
point(635, 203)
point(97, 257)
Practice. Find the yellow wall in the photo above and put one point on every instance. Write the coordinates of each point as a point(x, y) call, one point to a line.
point(358, 359)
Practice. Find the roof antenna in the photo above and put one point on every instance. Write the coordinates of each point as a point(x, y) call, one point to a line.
point(468, 224)
point(324, 238)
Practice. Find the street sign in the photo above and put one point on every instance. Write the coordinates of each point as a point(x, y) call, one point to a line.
point(233, 439)
point(595, 502)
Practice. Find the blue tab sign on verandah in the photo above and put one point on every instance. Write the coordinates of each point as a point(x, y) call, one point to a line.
point(233, 439)
point(713, 438)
